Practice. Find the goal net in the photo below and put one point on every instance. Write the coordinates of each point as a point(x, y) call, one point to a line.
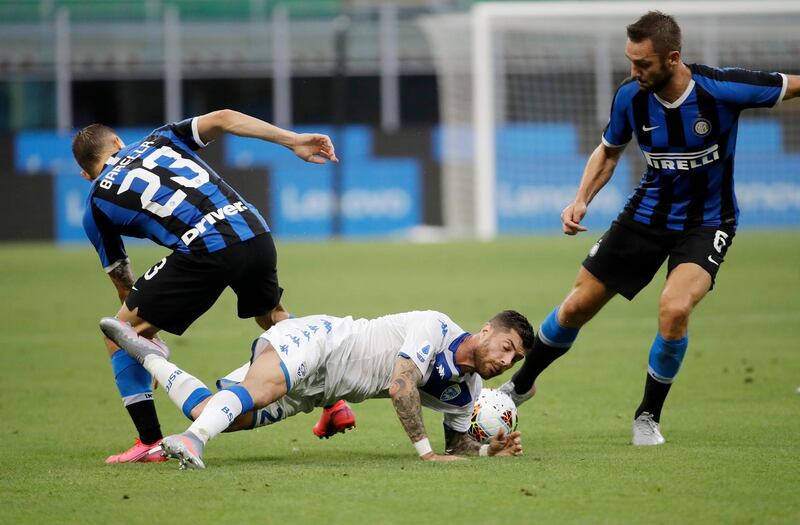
point(525, 91)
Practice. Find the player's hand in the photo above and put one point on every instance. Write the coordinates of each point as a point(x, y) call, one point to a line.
point(503, 444)
point(430, 456)
point(571, 217)
point(314, 147)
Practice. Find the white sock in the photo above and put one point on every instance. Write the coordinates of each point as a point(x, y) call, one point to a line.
point(180, 385)
point(217, 415)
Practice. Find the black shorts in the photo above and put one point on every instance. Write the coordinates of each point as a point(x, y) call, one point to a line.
point(629, 254)
point(177, 290)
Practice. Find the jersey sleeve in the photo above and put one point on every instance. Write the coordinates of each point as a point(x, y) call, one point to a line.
point(748, 89)
point(618, 131)
point(104, 237)
point(186, 131)
point(420, 344)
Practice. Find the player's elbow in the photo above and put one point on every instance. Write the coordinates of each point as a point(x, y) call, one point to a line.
point(213, 125)
point(221, 119)
point(395, 390)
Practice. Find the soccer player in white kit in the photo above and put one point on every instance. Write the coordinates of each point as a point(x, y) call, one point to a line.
point(416, 358)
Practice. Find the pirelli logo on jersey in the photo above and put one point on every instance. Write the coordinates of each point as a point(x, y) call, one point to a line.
point(210, 219)
point(682, 161)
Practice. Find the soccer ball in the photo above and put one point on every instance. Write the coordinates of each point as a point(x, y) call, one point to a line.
point(494, 410)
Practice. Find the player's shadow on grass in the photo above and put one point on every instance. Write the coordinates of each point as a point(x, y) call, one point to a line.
point(338, 457)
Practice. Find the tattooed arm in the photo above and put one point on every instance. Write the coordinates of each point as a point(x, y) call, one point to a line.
point(123, 279)
point(500, 445)
point(405, 398)
point(459, 443)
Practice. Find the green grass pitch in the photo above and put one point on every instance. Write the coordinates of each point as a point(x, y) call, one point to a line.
point(732, 421)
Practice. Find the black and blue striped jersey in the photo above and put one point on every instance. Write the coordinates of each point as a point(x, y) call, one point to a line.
point(689, 144)
point(158, 188)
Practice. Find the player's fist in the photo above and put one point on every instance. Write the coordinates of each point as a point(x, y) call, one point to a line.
point(571, 218)
point(314, 147)
point(503, 444)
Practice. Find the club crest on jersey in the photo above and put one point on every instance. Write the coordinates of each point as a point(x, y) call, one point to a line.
point(450, 393)
point(701, 127)
point(301, 371)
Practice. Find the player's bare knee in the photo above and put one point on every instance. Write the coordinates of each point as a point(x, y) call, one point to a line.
point(673, 317)
point(573, 312)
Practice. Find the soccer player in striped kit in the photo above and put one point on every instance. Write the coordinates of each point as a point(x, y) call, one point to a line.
point(684, 210)
point(160, 189)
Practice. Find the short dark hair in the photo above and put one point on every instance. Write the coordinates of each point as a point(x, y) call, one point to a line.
point(89, 143)
point(511, 319)
point(660, 28)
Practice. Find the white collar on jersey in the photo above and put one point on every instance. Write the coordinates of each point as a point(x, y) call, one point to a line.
point(112, 160)
point(681, 99)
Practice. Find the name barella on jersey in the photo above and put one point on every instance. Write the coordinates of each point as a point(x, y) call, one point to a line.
point(158, 188)
point(327, 358)
point(689, 144)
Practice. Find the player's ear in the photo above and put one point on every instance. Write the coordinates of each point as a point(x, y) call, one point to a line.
point(118, 142)
point(674, 58)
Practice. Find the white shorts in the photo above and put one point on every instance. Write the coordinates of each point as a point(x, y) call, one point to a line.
point(301, 346)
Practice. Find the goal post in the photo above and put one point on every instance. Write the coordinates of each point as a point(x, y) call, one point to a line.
point(526, 88)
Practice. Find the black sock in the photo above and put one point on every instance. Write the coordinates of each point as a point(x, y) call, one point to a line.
point(145, 418)
point(538, 358)
point(655, 394)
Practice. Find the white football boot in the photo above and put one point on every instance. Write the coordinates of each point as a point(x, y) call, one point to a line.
point(518, 399)
point(136, 346)
point(186, 448)
point(646, 431)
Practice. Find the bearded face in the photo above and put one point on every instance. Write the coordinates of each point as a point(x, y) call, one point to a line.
point(655, 79)
point(497, 351)
point(651, 70)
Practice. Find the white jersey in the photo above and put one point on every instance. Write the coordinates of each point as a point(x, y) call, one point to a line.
point(327, 358)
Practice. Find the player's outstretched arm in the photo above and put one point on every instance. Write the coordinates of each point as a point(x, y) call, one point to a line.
point(599, 169)
point(311, 147)
point(793, 88)
point(404, 392)
point(500, 444)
